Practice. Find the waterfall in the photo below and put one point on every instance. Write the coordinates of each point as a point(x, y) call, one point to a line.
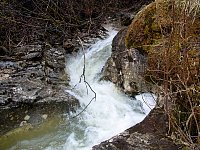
point(110, 113)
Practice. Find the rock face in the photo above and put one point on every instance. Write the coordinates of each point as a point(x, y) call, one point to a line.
point(31, 74)
point(33, 78)
point(147, 135)
point(125, 67)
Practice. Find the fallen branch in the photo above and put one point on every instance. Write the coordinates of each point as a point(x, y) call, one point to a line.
point(84, 80)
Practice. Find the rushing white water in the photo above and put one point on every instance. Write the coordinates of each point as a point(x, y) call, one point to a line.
point(111, 113)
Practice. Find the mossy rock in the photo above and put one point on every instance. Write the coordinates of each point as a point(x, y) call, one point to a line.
point(169, 31)
point(144, 29)
point(153, 26)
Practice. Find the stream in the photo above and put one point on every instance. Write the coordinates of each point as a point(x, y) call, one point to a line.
point(109, 114)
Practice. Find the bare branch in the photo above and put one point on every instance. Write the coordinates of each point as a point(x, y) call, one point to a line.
point(84, 80)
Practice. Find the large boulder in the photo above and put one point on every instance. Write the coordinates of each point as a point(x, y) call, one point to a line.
point(147, 135)
point(126, 66)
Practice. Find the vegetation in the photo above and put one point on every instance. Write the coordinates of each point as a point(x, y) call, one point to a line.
point(169, 32)
point(52, 21)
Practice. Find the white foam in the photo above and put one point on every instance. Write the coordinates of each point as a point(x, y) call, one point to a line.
point(112, 112)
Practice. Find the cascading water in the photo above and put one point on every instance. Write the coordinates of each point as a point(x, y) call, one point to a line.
point(112, 112)
point(109, 114)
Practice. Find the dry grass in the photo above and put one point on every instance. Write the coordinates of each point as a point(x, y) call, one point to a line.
point(170, 34)
point(175, 64)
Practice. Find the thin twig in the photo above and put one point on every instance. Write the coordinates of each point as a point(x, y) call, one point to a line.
point(84, 80)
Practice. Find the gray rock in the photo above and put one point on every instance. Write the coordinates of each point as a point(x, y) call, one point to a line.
point(147, 135)
point(28, 52)
point(125, 67)
point(54, 58)
point(33, 83)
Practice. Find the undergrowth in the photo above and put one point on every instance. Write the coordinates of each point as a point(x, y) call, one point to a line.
point(174, 65)
point(52, 21)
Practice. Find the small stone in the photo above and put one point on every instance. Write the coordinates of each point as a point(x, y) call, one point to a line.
point(44, 116)
point(111, 140)
point(6, 75)
point(27, 117)
point(23, 123)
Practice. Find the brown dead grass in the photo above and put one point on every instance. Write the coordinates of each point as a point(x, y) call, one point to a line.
point(169, 31)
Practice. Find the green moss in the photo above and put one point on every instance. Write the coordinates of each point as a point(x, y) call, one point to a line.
point(144, 29)
point(155, 27)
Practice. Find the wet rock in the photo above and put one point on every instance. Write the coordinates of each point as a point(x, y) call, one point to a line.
point(23, 123)
point(33, 83)
point(25, 95)
point(44, 116)
point(125, 67)
point(22, 79)
point(28, 52)
point(147, 135)
point(54, 57)
point(54, 66)
point(27, 117)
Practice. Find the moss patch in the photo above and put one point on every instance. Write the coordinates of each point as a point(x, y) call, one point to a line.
point(144, 30)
